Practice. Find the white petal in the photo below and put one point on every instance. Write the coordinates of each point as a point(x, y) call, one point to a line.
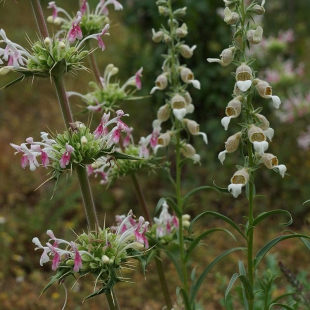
point(235, 189)
point(276, 101)
point(244, 85)
point(204, 136)
point(260, 147)
point(190, 108)
point(179, 113)
point(222, 156)
point(154, 89)
point(195, 83)
point(37, 242)
point(282, 169)
point(156, 148)
point(225, 121)
point(214, 60)
point(269, 133)
point(196, 158)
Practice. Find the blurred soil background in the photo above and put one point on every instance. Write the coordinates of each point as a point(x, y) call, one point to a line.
point(30, 107)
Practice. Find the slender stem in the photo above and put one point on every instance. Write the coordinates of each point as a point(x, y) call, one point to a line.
point(112, 301)
point(39, 17)
point(63, 100)
point(93, 62)
point(89, 205)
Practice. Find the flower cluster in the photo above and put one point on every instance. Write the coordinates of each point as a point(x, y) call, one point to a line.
point(255, 129)
point(166, 225)
point(76, 146)
point(102, 252)
point(106, 96)
point(88, 22)
point(177, 77)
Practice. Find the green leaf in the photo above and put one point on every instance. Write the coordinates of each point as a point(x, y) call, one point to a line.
point(61, 273)
point(264, 215)
point(264, 250)
point(185, 299)
point(220, 216)
point(232, 281)
point(281, 305)
point(306, 202)
point(159, 204)
point(221, 189)
point(201, 236)
point(208, 268)
point(174, 206)
point(283, 296)
point(197, 189)
point(247, 286)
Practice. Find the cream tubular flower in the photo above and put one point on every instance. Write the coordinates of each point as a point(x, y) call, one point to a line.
point(271, 162)
point(255, 36)
point(189, 106)
point(178, 105)
point(187, 77)
point(227, 56)
point(193, 128)
point(268, 131)
point(231, 145)
point(181, 32)
point(265, 91)
point(157, 36)
point(161, 83)
point(186, 51)
point(189, 151)
point(163, 141)
point(233, 110)
point(258, 138)
point(238, 180)
point(230, 17)
point(259, 9)
point(163, 113)
point(244, 77)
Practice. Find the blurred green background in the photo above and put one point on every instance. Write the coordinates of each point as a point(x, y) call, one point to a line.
point(30, 107)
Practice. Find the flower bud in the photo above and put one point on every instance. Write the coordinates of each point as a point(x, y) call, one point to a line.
point(61, 45)
point(186, 51)
point(47, 41)
point(188, 150)
point(186, 217)
point(232, 143)
point(181, 32)
point(179, 12)
point(105, 259)
point(265, 123)
point(50, 19)
point(157, 36)
point(256, 134)
point(178, 102)
point(259, 9)
point(234, 107)
point(163, 10)
point(167, 39)
point(84, 140)
point(188, 98)
point(230, 17)
point(114, 71)
point(4, 71)
point(255, 36)
point(240, 177)
point(163, 113)
point(186, 224)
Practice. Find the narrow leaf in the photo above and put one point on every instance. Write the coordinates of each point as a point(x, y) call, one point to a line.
point(221, 189)
point(159, 204)
point(195, 190)
point(201, 236)
point(247, 286)
point(220, 216)
point(60, 274)
point(174, 206)
point(230, 284)
point(281, 305)
point(185, 299)
point(264, 215)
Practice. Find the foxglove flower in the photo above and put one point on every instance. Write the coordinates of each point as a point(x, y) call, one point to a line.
point(238, 180)
point(227, 57)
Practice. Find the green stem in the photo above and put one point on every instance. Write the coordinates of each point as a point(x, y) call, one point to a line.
point(63, 100)
point(93, 63)
point(89, 205)
point(112, 301)
point(39, 17)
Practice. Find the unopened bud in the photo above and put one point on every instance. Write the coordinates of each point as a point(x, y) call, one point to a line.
point(47, 41)
point(61, 45)
point(230, 17)
point(114, 71)
point(178, 102)
point(186, 217)
point(259, 9)
point(188, 98)
point(157, 36)
point(105, 259)
point(232, 143)
point(255, 36)
point(179, 12)
point(188, 150)
point(181, 32)
point(84, 140)
point(163, 10)
point(4, 71)
point(186, 224)
point(167, 39)
point(227, 56)
point(256, 134)
point(186, 51)
point(163, 114)
point(50, 19)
